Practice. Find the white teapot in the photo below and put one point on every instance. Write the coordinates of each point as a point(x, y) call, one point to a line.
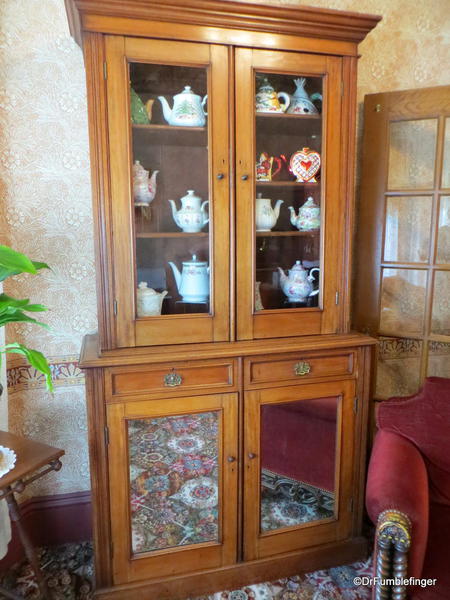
point(266, 216)
point(144, 186)
point(297, 286)
point(148, 301)
point(193, 281)
point(192, 215)
point(187, 109)
point(308, 218)
point(301, 103)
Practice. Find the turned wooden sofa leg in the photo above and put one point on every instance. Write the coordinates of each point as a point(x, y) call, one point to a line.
point(393, 539)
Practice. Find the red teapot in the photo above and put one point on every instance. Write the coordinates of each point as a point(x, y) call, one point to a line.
point(269, 166)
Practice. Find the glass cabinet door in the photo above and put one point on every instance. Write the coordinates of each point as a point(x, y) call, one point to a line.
point(168, 106)
point(173, 470)
point(289, 220)
point(298, 463)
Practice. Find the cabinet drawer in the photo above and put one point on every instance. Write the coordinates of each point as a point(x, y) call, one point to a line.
point(174, 378)
point(297, 367)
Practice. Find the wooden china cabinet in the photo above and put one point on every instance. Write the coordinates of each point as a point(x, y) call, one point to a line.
point(227, 398)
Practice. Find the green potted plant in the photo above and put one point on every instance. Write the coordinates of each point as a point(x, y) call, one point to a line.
point(13, 310)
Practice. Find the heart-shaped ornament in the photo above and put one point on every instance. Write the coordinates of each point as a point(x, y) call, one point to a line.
point(304, 164)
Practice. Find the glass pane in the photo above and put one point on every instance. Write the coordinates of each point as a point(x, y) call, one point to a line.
point(443, 245)
point(403, 301)
point(412, 149)
point(440, 315)
point(170, 188)
point(438, 359)
point(407, 229)
point(288, 205)
point(298, 454)
point(174, 480)
point(446, 163)
point(398, 369)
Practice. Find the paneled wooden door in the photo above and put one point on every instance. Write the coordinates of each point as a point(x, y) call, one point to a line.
point(298, 465)
point(301, 143)
point(403, 267)
point(184, 149)
point(173, 472)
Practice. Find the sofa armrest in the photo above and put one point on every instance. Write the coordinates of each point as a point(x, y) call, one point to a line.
point(397, 481)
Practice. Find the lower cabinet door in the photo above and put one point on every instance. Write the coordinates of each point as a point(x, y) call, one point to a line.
point(173, 485)
point(298, 467)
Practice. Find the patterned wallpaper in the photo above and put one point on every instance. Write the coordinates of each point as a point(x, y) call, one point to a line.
point(45, 193)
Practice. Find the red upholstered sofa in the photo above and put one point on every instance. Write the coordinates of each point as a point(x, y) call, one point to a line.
point(408, 492)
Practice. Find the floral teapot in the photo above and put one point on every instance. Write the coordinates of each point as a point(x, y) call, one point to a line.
point(266, 216)
point(144, 186)
point(269, 166)
point(268, 100)
point(187, 109)
point(297, 286)
point(192, 215)
point(308, 218)
point(149, 302)
point(193, 281)
point(301, 103)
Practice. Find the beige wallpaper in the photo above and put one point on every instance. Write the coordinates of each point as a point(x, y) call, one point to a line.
point(45, 194)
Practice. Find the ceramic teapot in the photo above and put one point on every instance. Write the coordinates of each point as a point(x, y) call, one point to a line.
point(187, 109)
point(265, 170)
point(148, 301)
point(301, 103)
point(268, 100)
point(192, 215)
point(193, 281)
point(297, 285)
point(144, 186)
point(266, 216)
point(308, 218)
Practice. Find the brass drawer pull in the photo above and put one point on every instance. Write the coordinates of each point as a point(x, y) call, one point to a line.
point(172, 379)
point(302, 368)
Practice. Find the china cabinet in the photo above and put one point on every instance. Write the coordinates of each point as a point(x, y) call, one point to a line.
point(227, 396)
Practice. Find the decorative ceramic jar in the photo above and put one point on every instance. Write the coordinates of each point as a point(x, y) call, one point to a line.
point(308, 218)
point(193, 281)
point(305, 164)
point(265, 166)
point(268, 100)
point(301, 103)
point(148, 301)
point(187, 109)
point(144, 186)
point(139, 114)
point(297, 285)
point(266, 216)
point(192, 215)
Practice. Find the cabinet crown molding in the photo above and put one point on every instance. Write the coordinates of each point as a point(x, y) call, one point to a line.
point(247, 14)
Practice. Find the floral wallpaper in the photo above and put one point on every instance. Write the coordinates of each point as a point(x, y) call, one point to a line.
point(45, 189)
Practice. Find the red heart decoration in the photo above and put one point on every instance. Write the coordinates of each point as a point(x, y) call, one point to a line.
point(306, 164)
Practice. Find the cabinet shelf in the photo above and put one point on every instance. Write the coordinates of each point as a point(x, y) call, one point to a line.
point(171, 234)
point(172, 135)
point(287, 233)
point(288, 116)
point(288, 184)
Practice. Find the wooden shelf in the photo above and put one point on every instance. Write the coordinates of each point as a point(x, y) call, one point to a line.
point(171, 135)
point(287, 233)
point(261, 115)
point(288, 184)
point(171, 234)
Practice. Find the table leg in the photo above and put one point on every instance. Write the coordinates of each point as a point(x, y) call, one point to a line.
point(14, 513)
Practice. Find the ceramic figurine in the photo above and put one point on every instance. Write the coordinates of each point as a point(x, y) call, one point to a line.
point(148, 301)
point(192, 215)
point(139, 115)
point(308, 218)
point(268, 100)
point(297, 286)
point(144, 186)
point(265, 164)
point(301, 103)
point(187, 109)
point(305, 164)
point(266, 216)
point(193, 281)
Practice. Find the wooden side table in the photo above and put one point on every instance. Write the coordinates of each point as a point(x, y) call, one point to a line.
point(34, 460)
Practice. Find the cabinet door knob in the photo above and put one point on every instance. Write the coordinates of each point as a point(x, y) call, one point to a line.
point(302, 368)
point(251, 455)
point(244, 177)
point(231, 459)
point(172, 379)
point(220, 175)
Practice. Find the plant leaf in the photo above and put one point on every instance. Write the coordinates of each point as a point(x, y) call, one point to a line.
point(13, 261)
point(9, 305)
point(36, 360)
point(19, 316)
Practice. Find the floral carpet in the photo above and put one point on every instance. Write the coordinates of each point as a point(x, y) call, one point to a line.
point(69, 573)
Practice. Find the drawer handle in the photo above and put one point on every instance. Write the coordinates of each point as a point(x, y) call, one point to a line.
point(302, 368)
point(172, 379)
